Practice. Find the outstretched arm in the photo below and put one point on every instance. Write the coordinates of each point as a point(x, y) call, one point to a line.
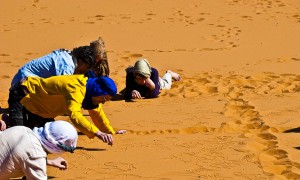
point(102, 123)
point(58, 162)
point(100, 120)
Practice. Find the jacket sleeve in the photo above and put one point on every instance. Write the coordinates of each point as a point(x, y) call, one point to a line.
point(74, 101)
point(155, 78)
point(30, 155)
point(35, 168)
point(100, 120)
point(81, 123)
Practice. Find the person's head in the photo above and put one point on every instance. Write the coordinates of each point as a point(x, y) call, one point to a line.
point(98, 90)
point(101, 67)
point(142, 71)
point(140, 79)
point(85, 59)
point(57, 136)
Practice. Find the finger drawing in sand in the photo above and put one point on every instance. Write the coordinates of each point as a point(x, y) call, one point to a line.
point(26, 153)
point(143, 81)
point(213, 85)
point(36, 101)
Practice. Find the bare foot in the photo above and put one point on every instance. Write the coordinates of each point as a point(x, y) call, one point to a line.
point(174, 75)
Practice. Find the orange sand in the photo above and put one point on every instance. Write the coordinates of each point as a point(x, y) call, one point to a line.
point(236, 113)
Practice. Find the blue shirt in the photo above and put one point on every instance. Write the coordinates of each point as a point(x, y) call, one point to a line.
point(58, 62)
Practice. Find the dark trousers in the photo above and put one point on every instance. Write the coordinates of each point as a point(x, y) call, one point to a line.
point(18, 114)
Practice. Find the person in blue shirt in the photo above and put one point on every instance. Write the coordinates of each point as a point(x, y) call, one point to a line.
point(58, 62)
point(90, 60)
point(143, 81)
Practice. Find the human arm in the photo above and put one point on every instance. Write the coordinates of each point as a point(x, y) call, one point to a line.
point(2, 125)
point(150, 84)
point(100, 120)
point(34, 168)
point(73, 90)
point(58, 162)
point(82, 124)
point(107, 138)
point(74, 94)
point(135, 95)
point(90, 130)
point(154, 79)
point(102, 123)
point(79, 121)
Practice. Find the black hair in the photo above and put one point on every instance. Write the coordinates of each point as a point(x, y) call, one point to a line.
point(85, 54)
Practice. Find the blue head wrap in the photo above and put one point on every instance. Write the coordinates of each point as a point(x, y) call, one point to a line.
point(98, 87)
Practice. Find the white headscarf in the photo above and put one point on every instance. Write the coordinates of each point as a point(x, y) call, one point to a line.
point(142, 66)
point(57, 136)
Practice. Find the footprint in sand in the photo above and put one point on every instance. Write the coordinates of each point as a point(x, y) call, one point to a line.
point(4, 77)
point(89, 22)
point(5, 62)
point(135, 55)
point(278, 153)
point(29, 53)
point(267, 136)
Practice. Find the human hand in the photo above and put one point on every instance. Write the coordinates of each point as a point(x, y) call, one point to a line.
point(58, 163)
point(121, 132)
point(107, 138)
point(136, 95)
point(149, 83)
point(2, 125)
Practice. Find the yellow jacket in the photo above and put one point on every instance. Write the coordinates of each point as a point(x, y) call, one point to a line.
point(59, 95)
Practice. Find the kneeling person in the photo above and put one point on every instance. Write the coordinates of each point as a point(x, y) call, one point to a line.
point(39, 100)
point(24, 151)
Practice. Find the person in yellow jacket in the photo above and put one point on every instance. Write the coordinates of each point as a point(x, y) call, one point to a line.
point(36, 101)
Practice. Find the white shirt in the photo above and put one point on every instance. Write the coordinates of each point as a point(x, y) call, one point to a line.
point(21, 154)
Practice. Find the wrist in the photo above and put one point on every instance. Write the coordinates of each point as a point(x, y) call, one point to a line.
point(98, 133)
point(151, 87)
point(48, 162)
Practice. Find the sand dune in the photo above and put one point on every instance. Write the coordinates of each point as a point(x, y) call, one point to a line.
point(235, 114)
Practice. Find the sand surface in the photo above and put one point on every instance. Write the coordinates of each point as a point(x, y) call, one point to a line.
point(235, 114)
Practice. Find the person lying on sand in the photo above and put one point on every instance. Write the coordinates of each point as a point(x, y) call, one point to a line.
point(36, 101)
point(24, 151)
point(142, 80)
point(84, 59)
